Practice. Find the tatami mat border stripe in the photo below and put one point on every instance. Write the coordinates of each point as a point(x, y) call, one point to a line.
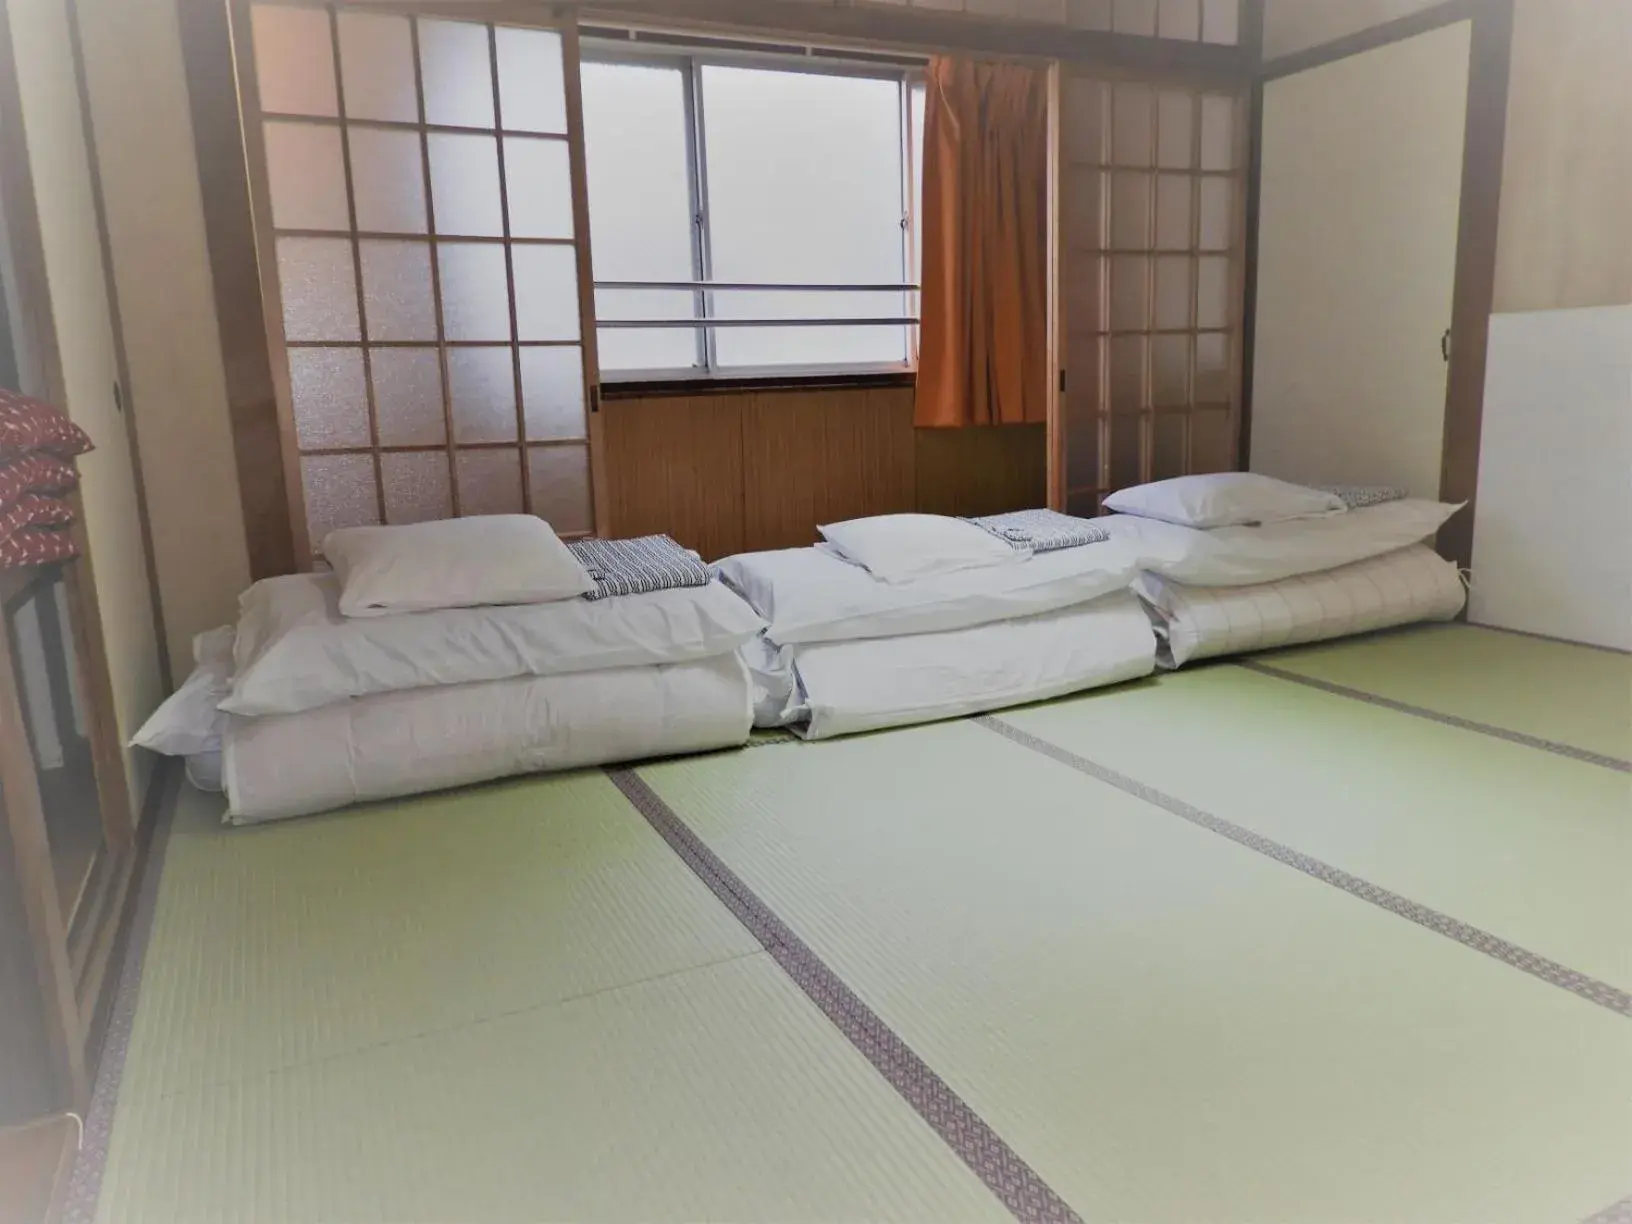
point(1615, 1213)
point(85, 1186)
point(1550, 971)
point(1010, 1178)
point(1450, 720)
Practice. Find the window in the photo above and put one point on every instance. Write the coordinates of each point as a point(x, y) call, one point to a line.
point(740, 210)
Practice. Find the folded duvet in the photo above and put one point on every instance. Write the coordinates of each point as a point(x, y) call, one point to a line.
point(295, 651)
point(812, 595)
point(1399, 588)
point(428, 739)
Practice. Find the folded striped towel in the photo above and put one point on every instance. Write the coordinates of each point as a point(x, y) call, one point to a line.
point(1042, 530)
point(1358, 497)
point(635, 567)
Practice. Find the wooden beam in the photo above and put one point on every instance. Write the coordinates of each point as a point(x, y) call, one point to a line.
point(1482, 161)
point(207, 51)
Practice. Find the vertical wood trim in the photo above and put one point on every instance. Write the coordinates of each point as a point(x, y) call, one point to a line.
point(250, 321)
point(38, 886)
point(1484, 147)
point(571, 60)
point(435, 252)
point(1054, 413)
point(125, 391)
point(1252, 39)
point(107, 753)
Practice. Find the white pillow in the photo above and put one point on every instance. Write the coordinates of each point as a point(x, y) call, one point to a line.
point(1242, 556)
point(907, 547)
point(453, 563)
point(190, 721)
point(1223, 499)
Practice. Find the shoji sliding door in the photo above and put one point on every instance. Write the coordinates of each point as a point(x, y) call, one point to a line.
point(1151, 238)
point(417, 190)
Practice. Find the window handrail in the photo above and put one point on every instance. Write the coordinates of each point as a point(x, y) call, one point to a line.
point(773, 287)
point(892, 321)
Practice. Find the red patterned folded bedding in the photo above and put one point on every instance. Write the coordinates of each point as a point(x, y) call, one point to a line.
point(28, 425)
point(36, 473)
point(34, 530)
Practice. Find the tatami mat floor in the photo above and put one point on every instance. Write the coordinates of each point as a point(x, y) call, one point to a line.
point(1231, 946)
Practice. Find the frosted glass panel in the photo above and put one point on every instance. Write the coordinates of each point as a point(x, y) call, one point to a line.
point(340, 492)
point(319, 289)
point(1221, 21)
point(538, 182)
point(482, 382)
point(475, 294)
point(329, 396)
point(377, 67)
point(1127, 373)
point(1173, 292)
point(1133, 138)
point(1130, 211)
point(1179, 19)
point(417, 487)
point(307, 174)
point(397, 290)
point(388, 181)
point(546, 292)
point(1173, 212)
point(1213, 369)
point(1130, 299)
point(531, 93)
point(490, 481)
point(408, 397)
point(805, 183)
point(1167, 458)
point(1217, 214)
point(1170, 371)
point(1134, 17)
point(1175, 134)
point(560, 486)
point(294, 60)
point(1213, 293)
point(552, 387)
point(457, 74)
point(639, 209)
point(1217, 132)
point(465, 185)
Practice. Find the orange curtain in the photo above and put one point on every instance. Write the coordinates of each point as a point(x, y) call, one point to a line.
point(983, 339)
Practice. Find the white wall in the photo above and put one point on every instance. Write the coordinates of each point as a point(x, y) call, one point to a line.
point(60, 165)
point(178, 392)
point(1552, 550)
point(1362, 183)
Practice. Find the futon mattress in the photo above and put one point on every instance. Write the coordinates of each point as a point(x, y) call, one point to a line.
point(418, 740)
point(1399, 588)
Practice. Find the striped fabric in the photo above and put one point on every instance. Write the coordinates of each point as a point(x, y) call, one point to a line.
point(1358, 497)
point(1042, 530)
point(634, 567)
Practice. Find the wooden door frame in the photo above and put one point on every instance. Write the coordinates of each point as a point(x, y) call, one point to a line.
point(1474, 289)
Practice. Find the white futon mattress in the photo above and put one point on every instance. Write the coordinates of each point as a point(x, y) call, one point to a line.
point(1399, 588)
point(828, 689)
point(428, 739)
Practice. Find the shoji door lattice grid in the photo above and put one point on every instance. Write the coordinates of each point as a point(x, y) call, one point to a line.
point(1152, 204)
point(422, 248)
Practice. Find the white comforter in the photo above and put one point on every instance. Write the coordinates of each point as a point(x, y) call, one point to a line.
point(429, 739)
point(1242, 556)
point(810, 595)
point(827, 689)
point(295, 651)
point(1399, 588)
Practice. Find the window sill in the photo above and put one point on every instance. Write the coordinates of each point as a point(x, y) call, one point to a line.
point(666, 384)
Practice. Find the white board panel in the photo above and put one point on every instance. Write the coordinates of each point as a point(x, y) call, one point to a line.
point(1552, 548)
point(1361, 190)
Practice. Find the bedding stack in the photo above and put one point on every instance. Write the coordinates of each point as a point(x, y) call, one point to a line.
point(449, 653)
point(1236, 562)
point(910, 618)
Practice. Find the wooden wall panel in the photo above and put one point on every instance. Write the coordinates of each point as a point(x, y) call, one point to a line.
point(822, 457)
point(759, 470)
point(982, 471)
point(675, 465)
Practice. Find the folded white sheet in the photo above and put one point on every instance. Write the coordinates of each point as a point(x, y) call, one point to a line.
point(839, 688)
point(295, 651)
point(1399, 588)
point(1241, 556)
point(429, 739)
point(810, 595)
